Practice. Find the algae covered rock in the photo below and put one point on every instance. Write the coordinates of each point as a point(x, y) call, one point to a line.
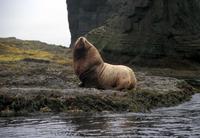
point(31, 100)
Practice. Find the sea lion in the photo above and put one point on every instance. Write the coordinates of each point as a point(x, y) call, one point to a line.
point(94, 72)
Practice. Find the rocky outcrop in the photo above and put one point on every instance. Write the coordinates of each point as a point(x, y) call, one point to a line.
point(37, 77)
point(144, 32)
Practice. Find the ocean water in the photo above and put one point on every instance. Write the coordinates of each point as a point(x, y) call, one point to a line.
point(179, 121)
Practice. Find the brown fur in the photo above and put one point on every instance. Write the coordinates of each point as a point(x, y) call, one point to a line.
point(93, 72)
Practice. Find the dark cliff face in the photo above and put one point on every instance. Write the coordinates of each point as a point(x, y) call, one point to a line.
point(85, 15)
point(145, 32)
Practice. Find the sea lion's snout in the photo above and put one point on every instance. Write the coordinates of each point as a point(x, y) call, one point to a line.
point(82, 39)
point(80, 44)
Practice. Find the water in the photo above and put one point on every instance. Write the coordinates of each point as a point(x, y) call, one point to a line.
point(180, 121)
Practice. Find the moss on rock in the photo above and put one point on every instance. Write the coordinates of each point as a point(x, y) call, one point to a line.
point(134, 101)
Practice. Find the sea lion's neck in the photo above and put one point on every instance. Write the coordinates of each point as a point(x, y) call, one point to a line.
point(101, 68)
point(91, 72)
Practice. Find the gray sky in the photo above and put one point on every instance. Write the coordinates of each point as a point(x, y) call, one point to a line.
point(44, 20)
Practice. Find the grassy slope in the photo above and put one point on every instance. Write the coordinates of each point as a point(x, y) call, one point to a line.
point(12, 49)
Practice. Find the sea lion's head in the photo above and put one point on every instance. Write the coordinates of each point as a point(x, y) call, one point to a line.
point(82, 43)
point(81, 47)
point(85, 55)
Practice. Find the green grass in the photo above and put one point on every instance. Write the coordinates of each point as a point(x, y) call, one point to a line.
point(11, 51)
